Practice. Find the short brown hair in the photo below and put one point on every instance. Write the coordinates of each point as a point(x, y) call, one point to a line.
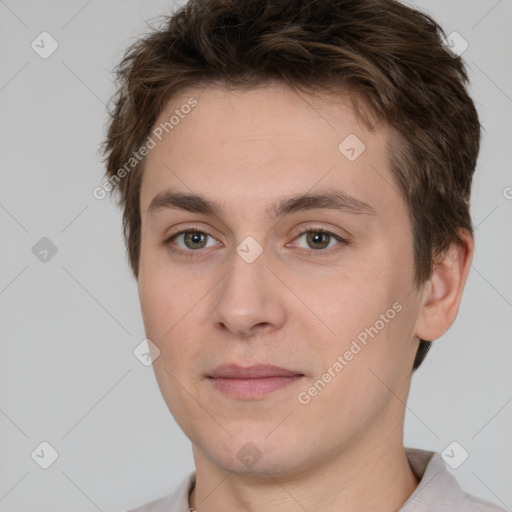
point(382, 51)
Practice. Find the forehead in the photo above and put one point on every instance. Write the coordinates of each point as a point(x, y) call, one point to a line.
point(264, 143)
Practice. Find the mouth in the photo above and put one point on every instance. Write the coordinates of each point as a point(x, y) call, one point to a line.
point(252, 382)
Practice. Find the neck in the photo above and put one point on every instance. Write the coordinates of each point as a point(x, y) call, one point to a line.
point(377, 476)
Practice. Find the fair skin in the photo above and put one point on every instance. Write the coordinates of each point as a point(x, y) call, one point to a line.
point(299, 305)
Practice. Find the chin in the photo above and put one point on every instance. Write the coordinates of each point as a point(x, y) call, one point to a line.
point(254, 452)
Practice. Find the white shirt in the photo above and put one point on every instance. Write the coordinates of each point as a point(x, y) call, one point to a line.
point(437, 491)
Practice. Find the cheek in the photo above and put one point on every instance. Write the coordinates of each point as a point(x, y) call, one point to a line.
point(353, 385)
point(371, 315)
point(171, 311)
point(160, 289)
point(160, 299)
point(355, 298)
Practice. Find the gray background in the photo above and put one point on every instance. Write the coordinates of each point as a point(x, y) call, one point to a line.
point(69, 325)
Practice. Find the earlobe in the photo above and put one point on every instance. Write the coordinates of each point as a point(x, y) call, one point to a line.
point(443, 292)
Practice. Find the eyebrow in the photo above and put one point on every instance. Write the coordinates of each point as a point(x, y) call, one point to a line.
point(328, 199)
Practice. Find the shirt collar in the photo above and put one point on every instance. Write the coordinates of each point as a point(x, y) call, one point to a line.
point(437, 488)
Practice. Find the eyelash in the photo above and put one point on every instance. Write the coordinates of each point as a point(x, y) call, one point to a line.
point(190, 253)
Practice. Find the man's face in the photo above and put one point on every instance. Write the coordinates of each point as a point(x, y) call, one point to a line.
point(323, 289)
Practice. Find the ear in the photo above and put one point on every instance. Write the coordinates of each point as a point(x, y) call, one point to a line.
point(443, 292)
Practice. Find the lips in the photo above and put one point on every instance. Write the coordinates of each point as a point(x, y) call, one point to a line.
point(252, 382)
point(259, 371)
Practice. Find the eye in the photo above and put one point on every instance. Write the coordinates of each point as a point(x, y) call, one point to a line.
point(319, 239)
point(191, 240)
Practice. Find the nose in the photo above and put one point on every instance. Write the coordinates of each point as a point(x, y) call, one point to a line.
point(249, 299)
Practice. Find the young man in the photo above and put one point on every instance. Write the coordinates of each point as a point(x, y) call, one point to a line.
point(295, 179)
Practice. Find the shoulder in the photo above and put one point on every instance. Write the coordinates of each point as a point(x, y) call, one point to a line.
point(469, 503)
point(177, 501)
